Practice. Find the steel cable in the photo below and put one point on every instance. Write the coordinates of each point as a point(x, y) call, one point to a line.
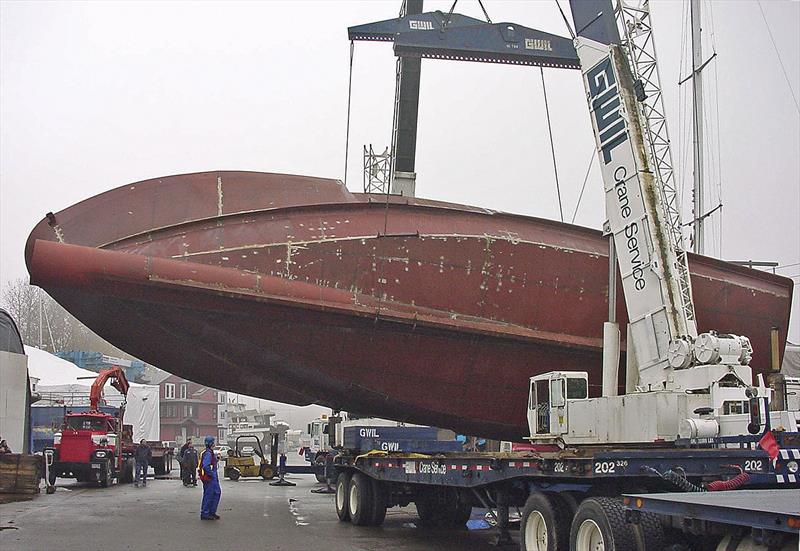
point(349, 97)
point(552, 146)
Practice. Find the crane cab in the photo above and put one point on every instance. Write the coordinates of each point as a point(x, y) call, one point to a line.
point(548, 401)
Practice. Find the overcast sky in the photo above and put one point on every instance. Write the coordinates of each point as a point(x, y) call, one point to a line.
point(97, 95)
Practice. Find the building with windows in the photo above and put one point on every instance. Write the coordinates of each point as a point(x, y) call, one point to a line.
point(189, 410)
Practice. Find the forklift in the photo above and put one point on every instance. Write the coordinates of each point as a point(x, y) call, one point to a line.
point(238, 465)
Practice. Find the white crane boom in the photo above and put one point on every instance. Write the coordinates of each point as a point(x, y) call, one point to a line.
point(635, 210)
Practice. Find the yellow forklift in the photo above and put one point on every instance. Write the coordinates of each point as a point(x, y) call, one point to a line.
point(239, 464)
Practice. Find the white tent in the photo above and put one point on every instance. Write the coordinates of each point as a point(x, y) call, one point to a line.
point(52, 370)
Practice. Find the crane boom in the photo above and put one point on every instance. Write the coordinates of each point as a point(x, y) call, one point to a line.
point(118, 381)
point(634, 207)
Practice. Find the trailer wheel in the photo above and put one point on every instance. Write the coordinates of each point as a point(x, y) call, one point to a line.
point(379, 499)
point(442, 507)
point(360, 500)
point(319, 468)
point(342, 496)
point(571, 500)
point(545, 523)
point(460, 515)
point(599, 525)
point(649, 533)
point(160, 467)
point(427, 512)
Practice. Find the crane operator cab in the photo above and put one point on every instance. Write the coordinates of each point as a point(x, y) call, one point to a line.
point(548, 400)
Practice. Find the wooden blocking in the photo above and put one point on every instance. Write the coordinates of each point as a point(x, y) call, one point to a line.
point(20, 473)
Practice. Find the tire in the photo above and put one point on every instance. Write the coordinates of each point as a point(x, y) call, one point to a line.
point(343, 496)
point(545, 523)
point(426, 511)
point(601, 519)
point(127, 475)
point(234, 474)
point(571, 500)
point(460, 515)
point(379, 498)
point(360, 501)
point(319, 468)
point(648, 533)
point(105, 476)
point(443, 507)
point(267, 473)
point(160, 467)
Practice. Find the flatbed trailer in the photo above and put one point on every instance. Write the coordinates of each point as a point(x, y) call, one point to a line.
point(768, 513)
point(557, 488)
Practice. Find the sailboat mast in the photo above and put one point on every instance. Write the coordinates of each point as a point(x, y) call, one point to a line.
point(697, 95)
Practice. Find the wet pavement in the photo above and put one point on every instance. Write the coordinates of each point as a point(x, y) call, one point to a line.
point(255, 515)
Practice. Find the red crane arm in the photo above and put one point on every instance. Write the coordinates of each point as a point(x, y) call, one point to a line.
point(118, 381)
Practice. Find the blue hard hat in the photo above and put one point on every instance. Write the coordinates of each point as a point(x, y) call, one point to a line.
point(209, 440)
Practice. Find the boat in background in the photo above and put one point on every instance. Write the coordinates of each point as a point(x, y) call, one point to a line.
point(293, 289)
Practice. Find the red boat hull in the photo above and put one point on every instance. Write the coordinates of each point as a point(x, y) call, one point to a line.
point(295, 290)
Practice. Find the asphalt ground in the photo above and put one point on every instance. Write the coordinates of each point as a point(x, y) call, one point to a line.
point(255, 515)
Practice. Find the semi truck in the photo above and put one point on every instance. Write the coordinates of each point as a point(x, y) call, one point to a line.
point(362, 434)
point(97, 446)
point(695, 454)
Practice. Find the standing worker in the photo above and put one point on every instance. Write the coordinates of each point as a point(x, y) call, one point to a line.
point(143, 455)
point(181, 461)
point(210, 478)
point(189, 465)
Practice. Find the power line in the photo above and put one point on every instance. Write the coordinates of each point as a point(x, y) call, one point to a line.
point(777, 53)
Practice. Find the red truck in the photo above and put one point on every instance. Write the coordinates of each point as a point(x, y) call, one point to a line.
point(95, 446)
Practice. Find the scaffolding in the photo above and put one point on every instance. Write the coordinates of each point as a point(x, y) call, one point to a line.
point(377, 168)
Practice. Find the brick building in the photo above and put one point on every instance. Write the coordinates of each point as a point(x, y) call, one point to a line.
point(189, 410)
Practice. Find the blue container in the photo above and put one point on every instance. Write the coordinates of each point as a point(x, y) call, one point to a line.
point(403, 439)
point(355, 434)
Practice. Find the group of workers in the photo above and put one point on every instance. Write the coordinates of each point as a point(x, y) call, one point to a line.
point(191, 465)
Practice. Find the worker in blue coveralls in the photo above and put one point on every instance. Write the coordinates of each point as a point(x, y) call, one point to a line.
point(207, 465)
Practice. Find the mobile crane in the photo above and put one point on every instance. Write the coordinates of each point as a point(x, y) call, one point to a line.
point(692, 420)
point(90, 444)
point(95, 446)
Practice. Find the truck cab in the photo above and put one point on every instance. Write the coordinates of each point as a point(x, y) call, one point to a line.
point(548, 401)
point(87, 448)
point(319, 439)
